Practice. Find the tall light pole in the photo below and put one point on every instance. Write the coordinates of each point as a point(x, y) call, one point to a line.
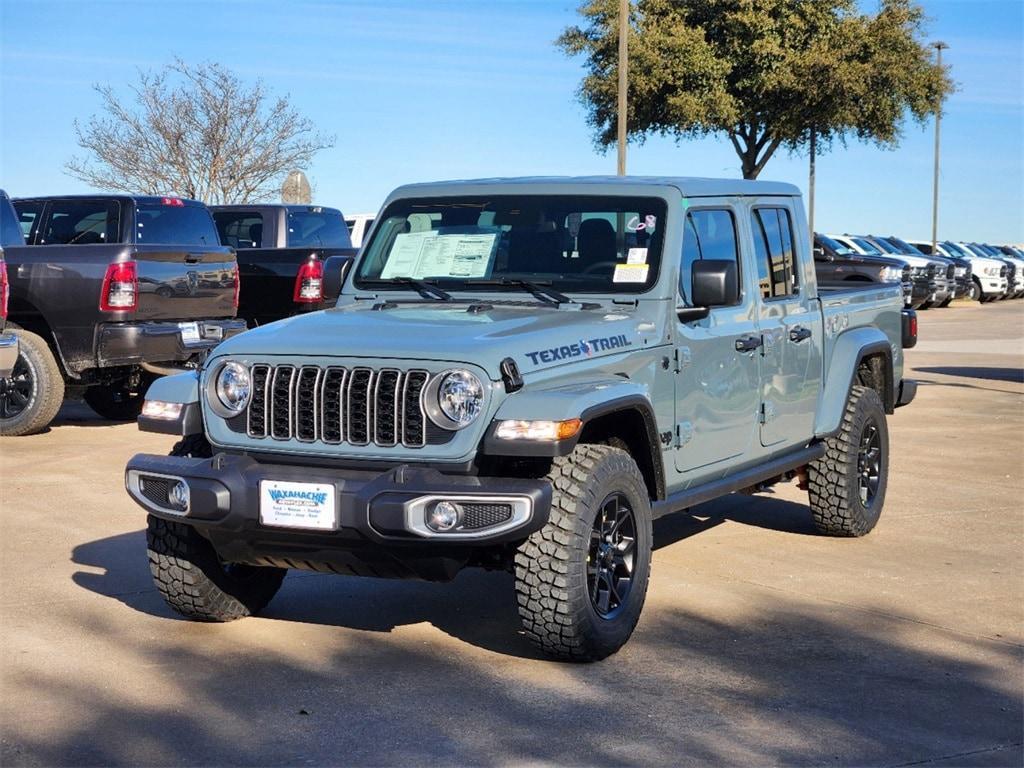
point(939, 47)
point(623, 82)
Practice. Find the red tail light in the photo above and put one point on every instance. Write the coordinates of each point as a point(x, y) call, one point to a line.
point(172, 201)
point(913, 326)
point(5, 290)
point(309, 283)
point(120, 287)
point(238, 286)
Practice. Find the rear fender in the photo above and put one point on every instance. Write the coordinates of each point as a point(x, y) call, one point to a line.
point(849, 349)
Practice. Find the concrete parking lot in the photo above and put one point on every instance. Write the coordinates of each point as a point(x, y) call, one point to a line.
point(761, 643)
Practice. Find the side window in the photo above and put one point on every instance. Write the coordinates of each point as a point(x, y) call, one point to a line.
point(81, 222)
point(28, 217)
point(773, 247)
point(239, 229)
point(707, 234)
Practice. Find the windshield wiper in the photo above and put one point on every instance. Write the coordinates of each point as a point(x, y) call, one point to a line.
point(422, 288)
point(549, 295)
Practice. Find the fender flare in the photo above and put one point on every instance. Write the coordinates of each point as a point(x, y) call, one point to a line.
point(588, 401)
point(180, 388)
point(851, 348)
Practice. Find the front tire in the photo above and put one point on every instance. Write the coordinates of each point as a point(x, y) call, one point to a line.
point(32, 395)
point(847, 485)
point(191, 577)
point(582, 579)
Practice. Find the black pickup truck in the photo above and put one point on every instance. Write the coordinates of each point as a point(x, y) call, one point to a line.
point(110, 291)
point(10, 234)
point(283, 254)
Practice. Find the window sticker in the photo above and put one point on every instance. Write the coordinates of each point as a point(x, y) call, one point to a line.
point(630, 273)
point(434, 254)
point(636, 256)
point(649, 223)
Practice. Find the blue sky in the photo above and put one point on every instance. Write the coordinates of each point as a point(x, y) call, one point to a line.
point(418, 90)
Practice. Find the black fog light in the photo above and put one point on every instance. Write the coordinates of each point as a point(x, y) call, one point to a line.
point(443, 516)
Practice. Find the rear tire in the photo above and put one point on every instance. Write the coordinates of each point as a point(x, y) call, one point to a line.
point(189, 574)
point(32, 395)
point(847, 485)
point(116, 401)
point(581, 580)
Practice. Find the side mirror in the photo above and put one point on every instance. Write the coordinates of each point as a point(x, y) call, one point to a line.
point(819, 254)
point(714, 283)
point(335, 269)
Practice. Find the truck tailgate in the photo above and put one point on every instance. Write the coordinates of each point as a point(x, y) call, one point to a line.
point(192, 282)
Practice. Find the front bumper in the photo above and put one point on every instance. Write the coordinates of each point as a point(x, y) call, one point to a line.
point(376, 532)
point(8, 354)
point(153, 342)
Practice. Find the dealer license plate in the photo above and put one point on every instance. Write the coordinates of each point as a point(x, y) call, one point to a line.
point(190, 333)
point(298, 505)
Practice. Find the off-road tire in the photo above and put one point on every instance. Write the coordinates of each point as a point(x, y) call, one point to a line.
point(551, 566)
point(834, 479)
point(115, 402)
point(47, 386)
point(190, 576)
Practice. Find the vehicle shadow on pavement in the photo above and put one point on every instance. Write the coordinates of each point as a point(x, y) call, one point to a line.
point(77, 414)
point(762, 678)
point(1015, 375)
point(478, 608)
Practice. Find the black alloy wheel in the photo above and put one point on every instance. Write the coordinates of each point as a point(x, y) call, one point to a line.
point(16, 390)
point(610, 559)
point(869, 464)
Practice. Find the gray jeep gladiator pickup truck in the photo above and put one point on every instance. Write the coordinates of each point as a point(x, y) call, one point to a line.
point(522, 374)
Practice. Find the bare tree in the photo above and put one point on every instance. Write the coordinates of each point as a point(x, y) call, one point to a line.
point(195, 131)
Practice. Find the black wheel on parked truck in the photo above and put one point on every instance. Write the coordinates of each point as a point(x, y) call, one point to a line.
point(974, 291)
point(31, 396)
point(581, 580)
point(117, 402)
point(191, 577)
point(847, 485)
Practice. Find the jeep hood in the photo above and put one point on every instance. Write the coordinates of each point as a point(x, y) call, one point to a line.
point(533, 335)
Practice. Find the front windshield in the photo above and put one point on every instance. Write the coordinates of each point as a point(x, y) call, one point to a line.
point(835, 246)
point(904, 247)
point(867, 246)
point(572, 243)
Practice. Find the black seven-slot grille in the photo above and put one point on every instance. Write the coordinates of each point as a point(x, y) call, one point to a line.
point(357, 406)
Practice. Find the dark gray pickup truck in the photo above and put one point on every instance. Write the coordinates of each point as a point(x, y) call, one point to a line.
point(286, 254)
point(109, 291)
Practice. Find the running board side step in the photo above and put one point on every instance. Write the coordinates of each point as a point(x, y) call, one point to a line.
point(691, 497)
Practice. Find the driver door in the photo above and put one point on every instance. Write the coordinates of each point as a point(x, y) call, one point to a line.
point(717, 385)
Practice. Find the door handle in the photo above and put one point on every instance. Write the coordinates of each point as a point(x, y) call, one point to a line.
point(748, 343)
point(798, 334)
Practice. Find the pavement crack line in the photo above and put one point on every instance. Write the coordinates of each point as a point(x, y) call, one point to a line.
point(873, 611)
point(984, 751)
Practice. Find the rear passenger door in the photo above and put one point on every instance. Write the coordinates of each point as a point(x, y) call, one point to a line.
point(790, 323)
point(717, 385)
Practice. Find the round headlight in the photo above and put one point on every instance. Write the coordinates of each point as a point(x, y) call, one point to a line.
point(460, 395)
point(234, 387)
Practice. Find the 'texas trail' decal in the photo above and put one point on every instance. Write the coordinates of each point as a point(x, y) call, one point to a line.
point(579, 349)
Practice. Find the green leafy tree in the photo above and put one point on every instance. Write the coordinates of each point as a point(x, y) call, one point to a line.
point(766, 73)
